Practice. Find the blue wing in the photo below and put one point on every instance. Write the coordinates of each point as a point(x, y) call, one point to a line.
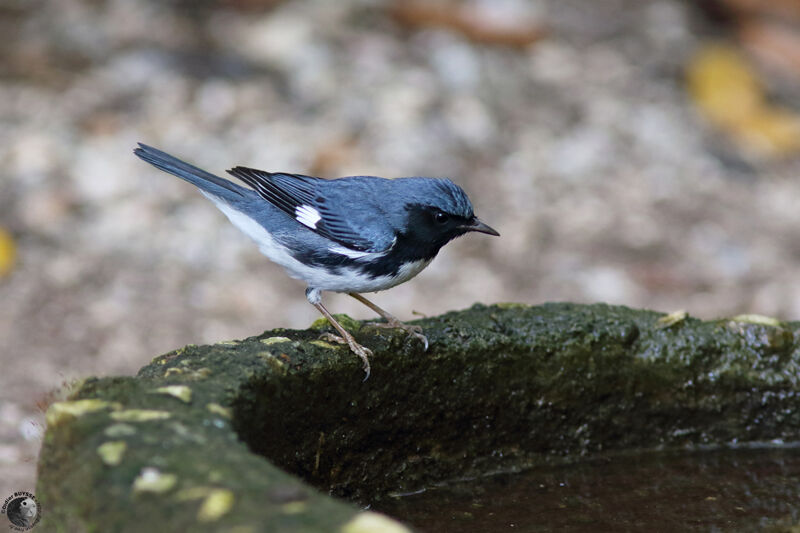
point(325, 206)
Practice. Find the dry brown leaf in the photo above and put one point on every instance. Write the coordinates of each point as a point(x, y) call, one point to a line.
point(774, 43)
point(467, 21)
point(774, 8)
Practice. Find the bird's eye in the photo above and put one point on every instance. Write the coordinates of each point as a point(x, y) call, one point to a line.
point(441, 217)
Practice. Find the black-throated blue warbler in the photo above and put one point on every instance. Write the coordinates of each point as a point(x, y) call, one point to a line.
point(356, 234)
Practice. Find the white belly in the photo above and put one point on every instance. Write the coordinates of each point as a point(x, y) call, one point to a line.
point(344, 280)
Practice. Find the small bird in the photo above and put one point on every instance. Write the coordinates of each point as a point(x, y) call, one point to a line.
point(355, 234)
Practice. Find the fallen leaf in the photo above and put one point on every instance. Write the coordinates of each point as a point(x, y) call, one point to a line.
point(774, 8)
point(467, 21)
point(8, 253)
point(727, 91)
point(776, 44)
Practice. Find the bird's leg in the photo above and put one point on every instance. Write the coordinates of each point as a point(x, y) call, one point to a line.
point(391, 320)
point(346, 338)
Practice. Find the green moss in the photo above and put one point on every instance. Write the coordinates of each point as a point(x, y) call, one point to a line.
point(111, 452)
point(345, 321)
point(181, 392)
point(511, 305)
point(59, 412)
point(501, 388)
point(217, 409)
point(757, 319)
point(276, 340)
point(139, 415)
point(216, 504)
point(154, 481)
point(676, 317)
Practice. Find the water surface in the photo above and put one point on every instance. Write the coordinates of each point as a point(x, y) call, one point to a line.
point(722, 490)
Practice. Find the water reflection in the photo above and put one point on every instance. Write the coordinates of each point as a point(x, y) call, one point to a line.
point(723, 490)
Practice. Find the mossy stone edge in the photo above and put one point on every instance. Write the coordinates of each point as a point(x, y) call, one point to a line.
point(502, 387)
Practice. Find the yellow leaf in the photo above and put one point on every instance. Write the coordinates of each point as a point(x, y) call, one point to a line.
point(773, 130)
point(730, 95)
point(8, 253)
point(723, 86)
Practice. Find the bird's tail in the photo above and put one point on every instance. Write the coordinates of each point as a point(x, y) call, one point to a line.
point(205, 181)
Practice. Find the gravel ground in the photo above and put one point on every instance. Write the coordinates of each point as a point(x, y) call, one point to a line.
point(582, 149)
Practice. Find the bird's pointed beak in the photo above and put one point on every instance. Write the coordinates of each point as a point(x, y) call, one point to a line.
point(476, 225)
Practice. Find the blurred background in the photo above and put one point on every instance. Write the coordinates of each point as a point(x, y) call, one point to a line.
point(636, 152)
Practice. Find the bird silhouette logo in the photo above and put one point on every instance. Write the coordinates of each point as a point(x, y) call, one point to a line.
point(22, 510)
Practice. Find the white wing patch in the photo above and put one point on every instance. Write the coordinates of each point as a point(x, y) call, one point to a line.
point(356, 254)
point(352, 254)
point(307, 216)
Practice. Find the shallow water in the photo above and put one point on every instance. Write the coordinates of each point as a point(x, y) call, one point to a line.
point(721, 490)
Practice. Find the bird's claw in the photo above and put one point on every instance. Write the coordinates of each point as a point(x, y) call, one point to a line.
point(363, 352)
point(412, 330)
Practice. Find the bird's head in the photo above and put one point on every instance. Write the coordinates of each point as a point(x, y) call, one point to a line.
point(438, 211)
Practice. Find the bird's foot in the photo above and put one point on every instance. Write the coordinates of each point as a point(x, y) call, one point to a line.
point(412, 330)
point(361, 351)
